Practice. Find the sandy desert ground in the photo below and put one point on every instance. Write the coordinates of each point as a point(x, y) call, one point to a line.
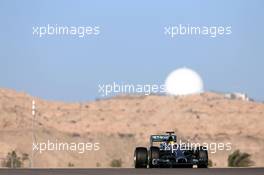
point(121, 123)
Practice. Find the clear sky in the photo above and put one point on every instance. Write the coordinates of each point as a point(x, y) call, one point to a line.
point(131, 47)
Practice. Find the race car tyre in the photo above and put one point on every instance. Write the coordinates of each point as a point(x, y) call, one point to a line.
point(141, 157)
point(202, 157)
point(154, 153)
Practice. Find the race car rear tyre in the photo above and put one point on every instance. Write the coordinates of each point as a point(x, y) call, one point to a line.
point(154, 153)
point(202, 157)
point(141, 157)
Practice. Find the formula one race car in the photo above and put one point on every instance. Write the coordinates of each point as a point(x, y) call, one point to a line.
point(169, 154)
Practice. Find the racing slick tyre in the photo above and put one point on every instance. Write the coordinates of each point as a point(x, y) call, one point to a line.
point(202, 157)
point(154, 153)
point(141, 157)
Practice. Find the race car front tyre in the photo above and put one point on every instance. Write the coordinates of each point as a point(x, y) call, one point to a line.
point(203, 158)
point(153, 154)
point(141, 157)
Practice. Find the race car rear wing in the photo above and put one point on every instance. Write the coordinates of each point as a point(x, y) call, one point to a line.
point(161, 138)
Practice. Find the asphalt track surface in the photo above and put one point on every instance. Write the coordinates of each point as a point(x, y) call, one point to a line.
point(130, 171)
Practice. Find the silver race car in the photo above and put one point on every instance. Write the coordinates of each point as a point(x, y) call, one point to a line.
point(169, 154)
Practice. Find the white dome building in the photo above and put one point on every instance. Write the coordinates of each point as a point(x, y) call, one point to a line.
point(183, 81)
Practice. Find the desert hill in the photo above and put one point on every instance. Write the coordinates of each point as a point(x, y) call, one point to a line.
point(121, 123)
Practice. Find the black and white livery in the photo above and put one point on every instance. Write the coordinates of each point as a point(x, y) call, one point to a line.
point(169, 154)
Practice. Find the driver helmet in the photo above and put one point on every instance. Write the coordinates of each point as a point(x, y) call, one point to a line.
point(170, 140)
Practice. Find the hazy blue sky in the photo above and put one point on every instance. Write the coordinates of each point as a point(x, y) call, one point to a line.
point(132, 46)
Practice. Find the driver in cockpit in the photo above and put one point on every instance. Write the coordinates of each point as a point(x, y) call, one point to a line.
point(168, 144)
point(170, 141)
